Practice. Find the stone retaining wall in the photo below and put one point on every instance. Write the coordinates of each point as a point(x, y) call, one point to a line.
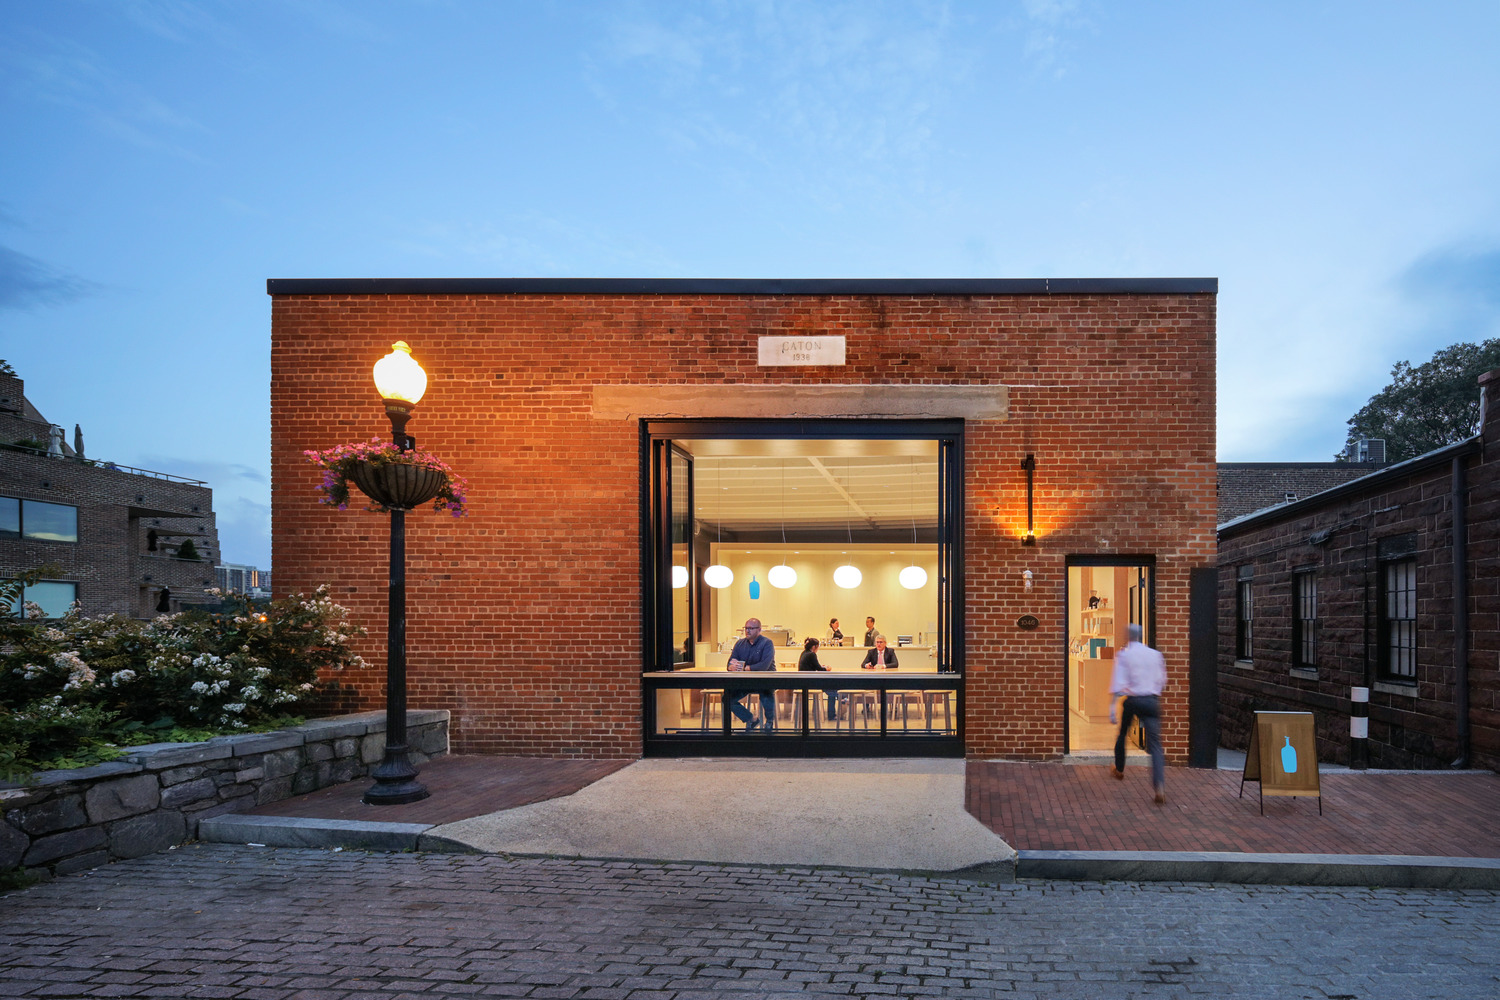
point(155, 796)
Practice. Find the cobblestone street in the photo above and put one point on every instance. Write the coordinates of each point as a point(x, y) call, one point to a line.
point(260, 924)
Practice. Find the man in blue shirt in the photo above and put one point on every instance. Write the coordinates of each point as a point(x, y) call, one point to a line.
point(754, 652)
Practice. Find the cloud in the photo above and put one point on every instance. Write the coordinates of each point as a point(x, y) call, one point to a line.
point(75, 78)
point(1447, 296)
point(26, 283)
point(244, 532)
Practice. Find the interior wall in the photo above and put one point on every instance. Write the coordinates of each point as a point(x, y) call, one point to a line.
point(806, 606)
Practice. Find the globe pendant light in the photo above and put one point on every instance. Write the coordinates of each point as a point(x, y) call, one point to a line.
point(718, 576)
point(848, 576)
point(679, 577)
point(913, 577)
point(783, 576)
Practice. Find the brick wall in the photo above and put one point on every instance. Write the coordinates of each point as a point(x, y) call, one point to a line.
point(1114, 394)
point(1410, 725)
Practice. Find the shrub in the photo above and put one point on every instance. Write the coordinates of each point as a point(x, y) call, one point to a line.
point(79, 683)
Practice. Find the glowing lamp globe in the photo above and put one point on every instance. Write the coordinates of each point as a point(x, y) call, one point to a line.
point(847, 577)
point(679, 577)
point(399, 378)
point(718, 577)
point(913, 578)
point(782, 576)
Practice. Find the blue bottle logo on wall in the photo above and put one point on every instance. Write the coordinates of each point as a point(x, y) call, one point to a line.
point(1289, 756)
point(754, 589)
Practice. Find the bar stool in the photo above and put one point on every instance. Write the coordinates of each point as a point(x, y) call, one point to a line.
point(929, 700)
point(716, 699)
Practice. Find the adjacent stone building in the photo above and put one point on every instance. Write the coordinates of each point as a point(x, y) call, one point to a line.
point(1391, 583)
point(113, 535)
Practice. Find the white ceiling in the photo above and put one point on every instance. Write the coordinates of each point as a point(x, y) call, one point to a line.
point(751, 485)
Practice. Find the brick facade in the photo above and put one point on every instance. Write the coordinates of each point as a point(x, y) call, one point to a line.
point(524, 618)
point(1339, 537)
point(113, 563)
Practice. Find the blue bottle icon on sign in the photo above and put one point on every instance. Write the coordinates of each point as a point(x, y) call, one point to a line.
point(1289, 756)
point(754, 589)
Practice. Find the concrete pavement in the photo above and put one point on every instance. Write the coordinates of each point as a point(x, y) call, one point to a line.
point(988, 820)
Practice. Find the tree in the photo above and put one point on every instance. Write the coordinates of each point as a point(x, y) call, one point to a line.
point(1429, 405)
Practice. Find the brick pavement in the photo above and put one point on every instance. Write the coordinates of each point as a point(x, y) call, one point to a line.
point(462, 786)
point(245, 924)
point(1081, 808)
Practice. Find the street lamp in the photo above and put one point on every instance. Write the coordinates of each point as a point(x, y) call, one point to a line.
point(401, 382)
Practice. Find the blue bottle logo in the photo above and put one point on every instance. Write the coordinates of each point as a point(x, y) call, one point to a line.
point(1289, 756)
point(754, 589)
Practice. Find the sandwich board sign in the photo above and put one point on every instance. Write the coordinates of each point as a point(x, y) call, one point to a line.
point(1283, 756)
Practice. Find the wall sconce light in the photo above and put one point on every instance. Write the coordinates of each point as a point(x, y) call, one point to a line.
point(1029, 464)
point(1026, 576)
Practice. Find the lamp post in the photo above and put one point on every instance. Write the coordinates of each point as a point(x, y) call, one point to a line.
point(401, 382)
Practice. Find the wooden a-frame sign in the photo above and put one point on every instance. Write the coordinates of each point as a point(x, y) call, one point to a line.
point(1283, 757)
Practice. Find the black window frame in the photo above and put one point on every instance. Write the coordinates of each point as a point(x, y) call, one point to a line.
point(1244, 613)
point(1396, 618)
point(1305, 619)
point(20, 533)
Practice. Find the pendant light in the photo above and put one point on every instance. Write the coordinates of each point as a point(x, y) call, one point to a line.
point(913, 577)
point(783, 576)
point(679, 577)
point(848, 576)
point(718, 576)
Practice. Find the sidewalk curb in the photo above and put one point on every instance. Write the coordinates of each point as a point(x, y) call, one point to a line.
point(1383, 870)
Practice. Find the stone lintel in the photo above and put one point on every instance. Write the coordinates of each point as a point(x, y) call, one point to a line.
point(790, 400)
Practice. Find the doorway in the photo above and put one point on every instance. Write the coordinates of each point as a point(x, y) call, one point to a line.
point(1105, 596)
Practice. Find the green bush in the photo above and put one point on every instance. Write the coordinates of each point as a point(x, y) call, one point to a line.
point(78, 688)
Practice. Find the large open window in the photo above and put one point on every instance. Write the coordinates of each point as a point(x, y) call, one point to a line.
point(801, 524)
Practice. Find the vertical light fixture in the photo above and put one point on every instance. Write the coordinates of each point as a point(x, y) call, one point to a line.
point(1029, 464)
point(718, 576)
point(783, 576)
point(913, 577)
point(848, 576)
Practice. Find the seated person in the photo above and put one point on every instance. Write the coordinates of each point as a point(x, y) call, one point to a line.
point(754, 652)
point(809, 661)
point(878, 657)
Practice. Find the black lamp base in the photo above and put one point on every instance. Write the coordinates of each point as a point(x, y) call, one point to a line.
point(395, 781)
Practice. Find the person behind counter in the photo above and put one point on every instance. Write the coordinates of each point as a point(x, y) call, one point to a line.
point(754, 652)
point(809, 661)
point(870, 632)
point(880, 658)
point(834, 635)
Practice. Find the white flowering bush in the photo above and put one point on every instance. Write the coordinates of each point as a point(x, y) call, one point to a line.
point(95, 682)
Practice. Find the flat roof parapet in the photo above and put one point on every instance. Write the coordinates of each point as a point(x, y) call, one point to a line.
point(742, 286)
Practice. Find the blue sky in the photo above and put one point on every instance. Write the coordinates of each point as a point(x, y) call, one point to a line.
point(1335, 165)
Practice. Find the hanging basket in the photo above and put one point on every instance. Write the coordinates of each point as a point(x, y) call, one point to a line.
point(395, 486)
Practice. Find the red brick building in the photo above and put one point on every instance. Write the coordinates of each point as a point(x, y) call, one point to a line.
point(1354, 587)
point(620, 437)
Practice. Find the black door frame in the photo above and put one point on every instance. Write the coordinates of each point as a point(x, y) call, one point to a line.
point(1126, 559)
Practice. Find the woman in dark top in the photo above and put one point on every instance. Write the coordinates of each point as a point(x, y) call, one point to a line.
point(809, 661)
point(834, 634)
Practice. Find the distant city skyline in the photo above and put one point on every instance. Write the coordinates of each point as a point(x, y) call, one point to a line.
point(1332, 164)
